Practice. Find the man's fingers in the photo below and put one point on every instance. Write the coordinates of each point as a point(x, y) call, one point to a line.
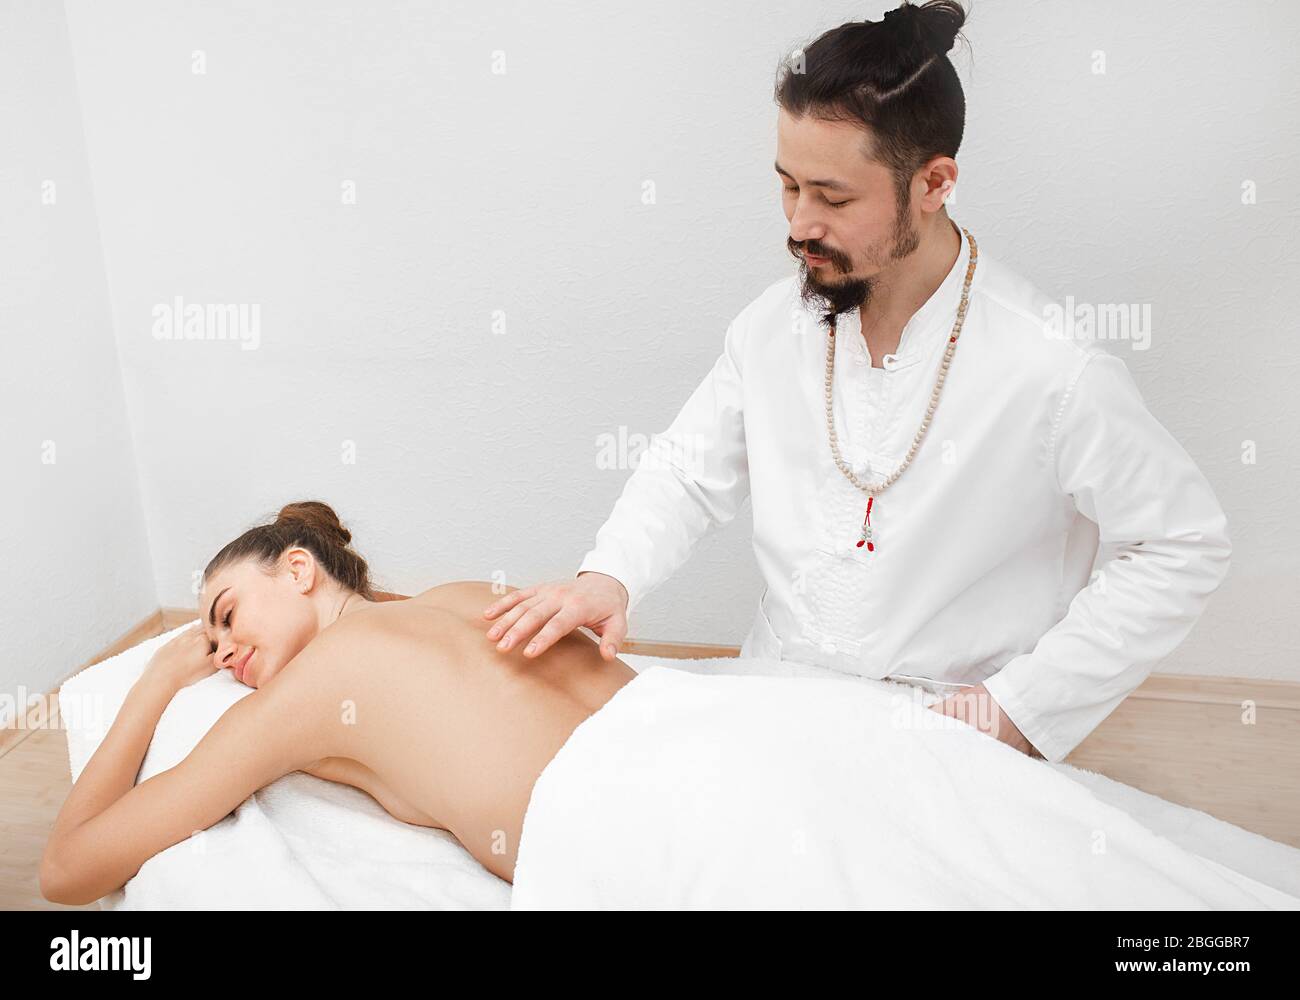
point(508, 602)
point(510, 617)
point(564, 622)
point(612, 638)
point(528, 624)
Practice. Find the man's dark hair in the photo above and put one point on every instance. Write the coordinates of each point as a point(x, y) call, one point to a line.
point(893, 77)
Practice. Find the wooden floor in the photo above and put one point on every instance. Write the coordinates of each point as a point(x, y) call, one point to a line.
point(34, 781)
point(1185, 739)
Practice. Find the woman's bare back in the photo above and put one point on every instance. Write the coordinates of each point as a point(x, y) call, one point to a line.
point(452, 728)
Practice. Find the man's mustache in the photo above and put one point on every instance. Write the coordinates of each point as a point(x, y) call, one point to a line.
point(808, 250)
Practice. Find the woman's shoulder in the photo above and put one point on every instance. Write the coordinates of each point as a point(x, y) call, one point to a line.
point(378, 633)
point(463, 597)
point(460, 599)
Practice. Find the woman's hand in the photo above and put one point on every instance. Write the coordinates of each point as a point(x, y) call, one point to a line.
point(183, 660)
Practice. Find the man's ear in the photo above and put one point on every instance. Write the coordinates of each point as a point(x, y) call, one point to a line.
point(940, 177)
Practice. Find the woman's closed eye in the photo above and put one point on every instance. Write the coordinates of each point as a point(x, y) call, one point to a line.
point(226, 622)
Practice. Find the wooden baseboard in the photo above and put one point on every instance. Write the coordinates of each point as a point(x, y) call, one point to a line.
point(1225, 745)
point(677, 650)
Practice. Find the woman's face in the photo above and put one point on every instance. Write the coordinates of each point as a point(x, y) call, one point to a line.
point(257, 622)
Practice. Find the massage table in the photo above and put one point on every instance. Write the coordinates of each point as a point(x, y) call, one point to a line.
point(306, 843)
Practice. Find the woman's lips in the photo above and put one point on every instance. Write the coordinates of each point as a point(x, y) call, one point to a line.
point(242, 666)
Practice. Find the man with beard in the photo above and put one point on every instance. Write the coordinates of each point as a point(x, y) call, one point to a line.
point(934, 470)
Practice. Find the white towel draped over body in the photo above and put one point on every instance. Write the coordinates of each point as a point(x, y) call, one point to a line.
point(306, 843)
point(694, 791)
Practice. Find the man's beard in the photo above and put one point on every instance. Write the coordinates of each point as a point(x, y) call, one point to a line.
point(831, 299)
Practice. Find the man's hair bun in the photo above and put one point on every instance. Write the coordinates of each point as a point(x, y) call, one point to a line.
point(932, 27)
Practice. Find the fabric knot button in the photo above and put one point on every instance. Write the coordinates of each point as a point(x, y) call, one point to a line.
point(890, 360)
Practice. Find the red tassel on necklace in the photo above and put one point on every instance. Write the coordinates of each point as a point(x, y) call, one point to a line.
point(866, 528)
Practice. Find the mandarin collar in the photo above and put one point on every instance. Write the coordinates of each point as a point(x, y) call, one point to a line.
point(938, 313)
point(934, 318)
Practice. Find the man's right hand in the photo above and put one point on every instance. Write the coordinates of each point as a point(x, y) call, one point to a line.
point(592, 600)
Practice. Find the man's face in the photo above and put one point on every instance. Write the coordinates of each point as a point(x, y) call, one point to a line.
point(853, 220)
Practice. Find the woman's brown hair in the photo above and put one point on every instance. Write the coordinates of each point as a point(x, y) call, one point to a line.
point(315, 527)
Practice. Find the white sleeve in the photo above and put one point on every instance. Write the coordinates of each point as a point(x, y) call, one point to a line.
point(1163, 550)
point(693, 476)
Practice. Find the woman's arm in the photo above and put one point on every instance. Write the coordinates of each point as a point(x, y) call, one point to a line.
point(110, 826)
point(347, 771)
point(111, 771)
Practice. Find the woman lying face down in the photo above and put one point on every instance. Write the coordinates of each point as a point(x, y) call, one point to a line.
point(268, 593)
point(405, 699)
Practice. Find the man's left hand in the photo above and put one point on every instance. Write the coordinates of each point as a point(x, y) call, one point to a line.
point(976, 707)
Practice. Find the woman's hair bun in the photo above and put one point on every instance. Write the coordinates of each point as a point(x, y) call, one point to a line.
point(309, 524)
point(934, 25)
point(316, 515)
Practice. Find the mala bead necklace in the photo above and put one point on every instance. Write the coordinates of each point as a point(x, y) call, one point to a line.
point(872, 491)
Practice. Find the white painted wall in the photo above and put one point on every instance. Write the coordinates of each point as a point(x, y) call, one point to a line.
point(72, 533)
point(482, 195)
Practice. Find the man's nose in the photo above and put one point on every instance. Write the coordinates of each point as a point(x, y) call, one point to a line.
point(804, 226)
point(804, 240)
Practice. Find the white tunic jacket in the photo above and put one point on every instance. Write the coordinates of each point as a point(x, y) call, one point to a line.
point(1041, 464)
